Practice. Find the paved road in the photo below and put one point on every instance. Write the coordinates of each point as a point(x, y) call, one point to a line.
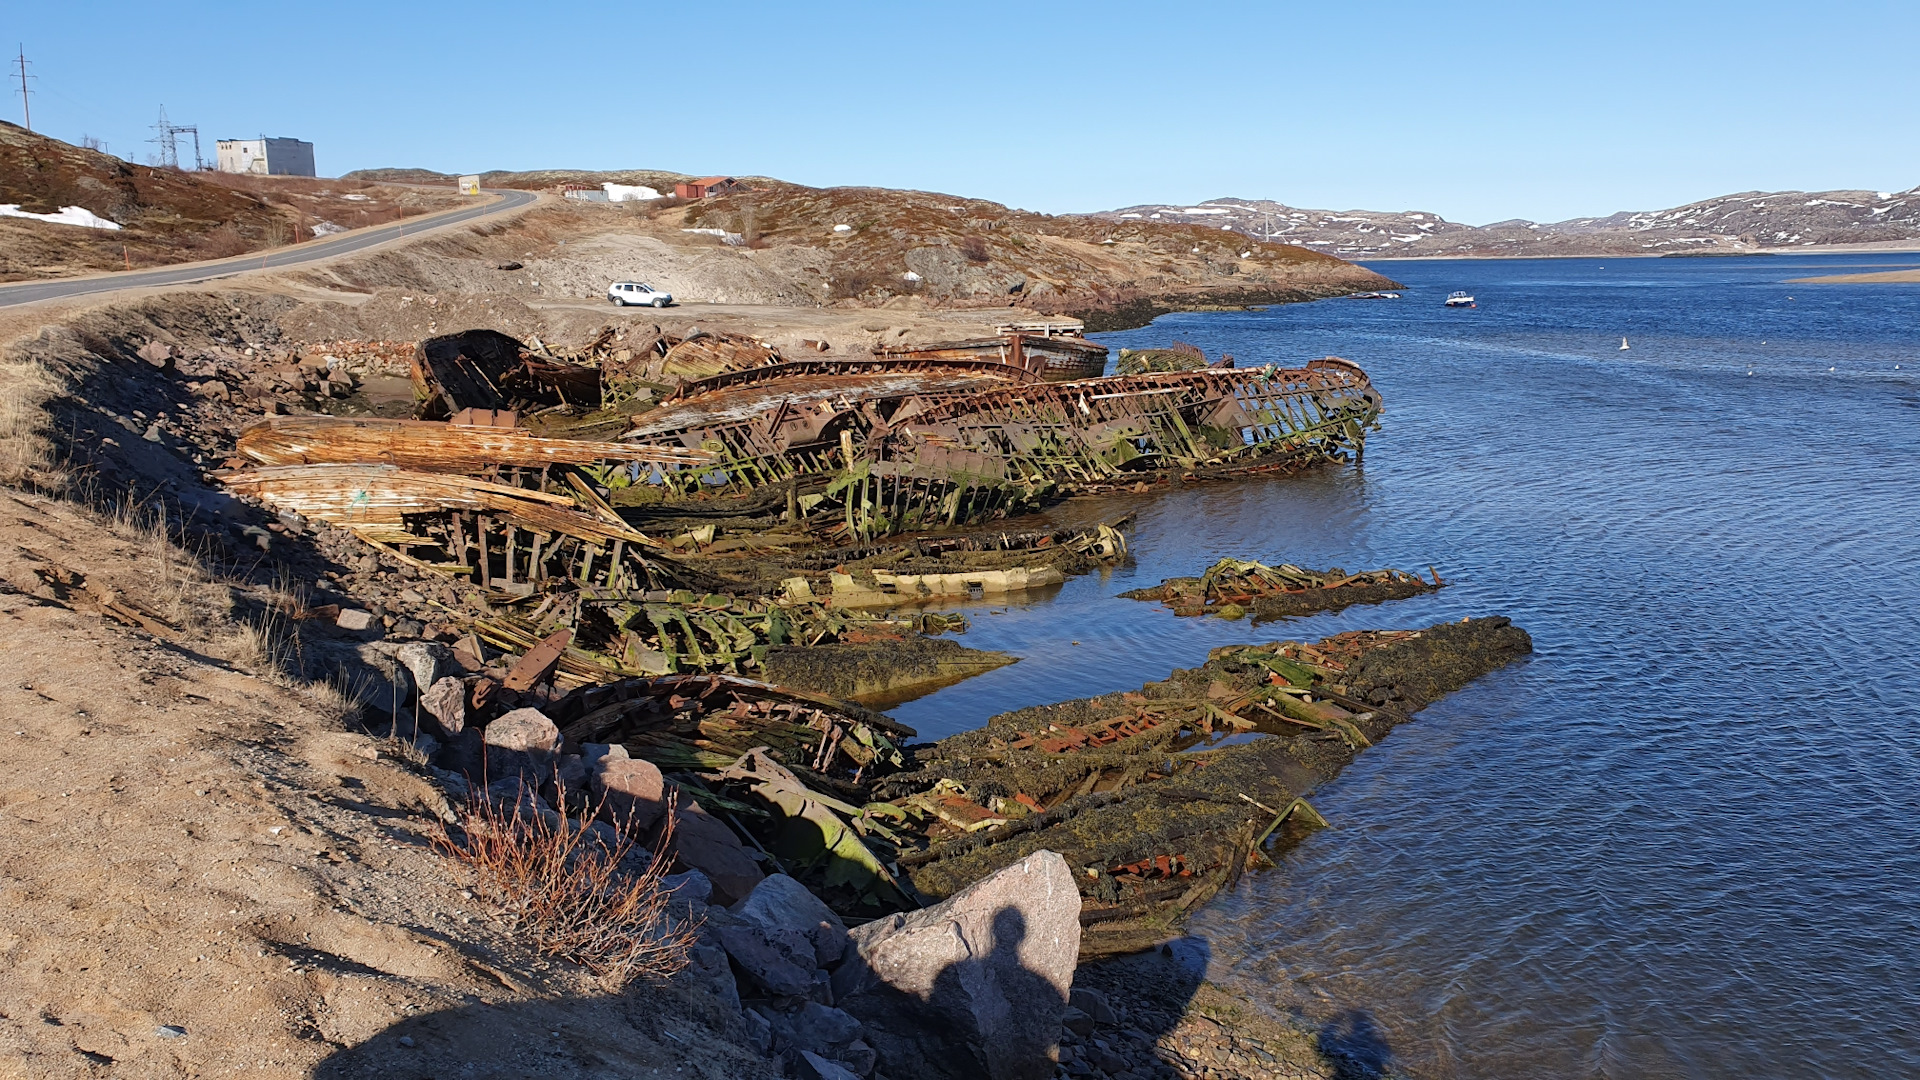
point(312, 251)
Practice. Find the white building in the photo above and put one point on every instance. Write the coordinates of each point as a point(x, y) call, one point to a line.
point(266, 157)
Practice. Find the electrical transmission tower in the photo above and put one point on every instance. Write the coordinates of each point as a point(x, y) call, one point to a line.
point(169, 149)
point(26, 111)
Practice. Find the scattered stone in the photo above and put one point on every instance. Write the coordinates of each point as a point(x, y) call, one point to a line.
point(570, 773)
point(1093, 1003)
point(691, 886)
point(700, 842)
point(170, 1031)
point(406, 1041)
point(858, 1057)
point(353, 619)
point(815, 1027)
point(525, 730)
point(446, 701)
point(811, 1066)
point(1077, 1022)
point(425, 660)
point(632, 792)
point(759, 1030)
point(707, 970)
point(782, 902)
point(749, 948)
point(157, 353)
point(511, 791)
point(593, 753)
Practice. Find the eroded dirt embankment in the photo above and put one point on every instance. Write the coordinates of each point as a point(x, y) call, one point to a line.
point(205, 871)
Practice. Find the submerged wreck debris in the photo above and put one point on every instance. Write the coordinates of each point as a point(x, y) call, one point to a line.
point(1044, 350)
point(878, 664)
point(1179, 356)
point(1162, 797)
point(1233, 587)
point(1158, 798)
point(615, 633)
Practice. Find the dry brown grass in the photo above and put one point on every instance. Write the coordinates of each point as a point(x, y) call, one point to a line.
point(25, 453)
point(558, 883)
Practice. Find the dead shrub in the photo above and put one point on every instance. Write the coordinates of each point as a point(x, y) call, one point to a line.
point(849, 284)
point(562, 886)
point(221, 242)
point(974, 249)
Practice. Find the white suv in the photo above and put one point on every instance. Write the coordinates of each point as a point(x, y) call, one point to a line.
point(626, 293)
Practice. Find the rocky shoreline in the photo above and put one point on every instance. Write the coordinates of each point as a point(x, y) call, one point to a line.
point(823, 855)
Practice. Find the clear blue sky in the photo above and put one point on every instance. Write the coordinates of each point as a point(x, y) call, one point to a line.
point(1477, 111)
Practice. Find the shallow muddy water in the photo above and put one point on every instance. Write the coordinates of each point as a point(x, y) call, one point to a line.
point(1683, 839)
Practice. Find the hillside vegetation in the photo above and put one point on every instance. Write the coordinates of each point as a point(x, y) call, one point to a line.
point(167, 215)
point(770, 242)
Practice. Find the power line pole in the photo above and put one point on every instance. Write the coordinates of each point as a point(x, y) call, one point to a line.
point(169, 156)
point(169, 149)
point(26, 111)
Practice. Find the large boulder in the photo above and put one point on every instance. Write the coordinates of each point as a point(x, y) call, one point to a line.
point(780, 902)
point(975, 986)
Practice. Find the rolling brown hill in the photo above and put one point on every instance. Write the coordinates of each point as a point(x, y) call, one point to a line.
point(769, 242)
point(167, 215)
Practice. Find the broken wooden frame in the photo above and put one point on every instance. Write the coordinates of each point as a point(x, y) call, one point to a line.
point(485, 369)
point(545, 523)
point(434, 447)
point(920, 454)
point(1054, 358)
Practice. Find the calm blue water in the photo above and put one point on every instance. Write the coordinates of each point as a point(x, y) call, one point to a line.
point(1683, 839)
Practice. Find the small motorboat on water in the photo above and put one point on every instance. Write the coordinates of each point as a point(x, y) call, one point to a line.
point(1624, 346)
point(1460, 299)
point(1374, 296)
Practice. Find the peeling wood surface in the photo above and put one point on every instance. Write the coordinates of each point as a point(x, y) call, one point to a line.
point(377, 498)
point(430, 446)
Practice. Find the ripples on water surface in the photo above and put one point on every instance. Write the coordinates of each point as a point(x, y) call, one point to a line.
point(1682, 838)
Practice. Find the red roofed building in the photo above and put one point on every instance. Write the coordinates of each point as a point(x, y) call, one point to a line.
point(700, 189)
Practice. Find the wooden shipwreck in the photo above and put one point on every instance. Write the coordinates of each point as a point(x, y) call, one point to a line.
point(1052, 355)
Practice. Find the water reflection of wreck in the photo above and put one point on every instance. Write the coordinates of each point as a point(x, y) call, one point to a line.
point(924, 441)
